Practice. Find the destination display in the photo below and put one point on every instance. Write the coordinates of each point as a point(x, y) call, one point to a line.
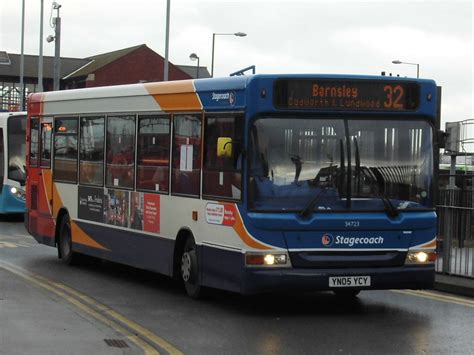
point(349, 95)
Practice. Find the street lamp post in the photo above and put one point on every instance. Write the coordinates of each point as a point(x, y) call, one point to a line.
point(238, 34)
point(22, 59)
point(40, 58)
point(167, 42)
point(193, 57)
point(417, 66)
point(57, 47)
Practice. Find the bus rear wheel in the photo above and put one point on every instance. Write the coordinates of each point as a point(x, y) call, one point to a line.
point(65, 242)
point(190, 270)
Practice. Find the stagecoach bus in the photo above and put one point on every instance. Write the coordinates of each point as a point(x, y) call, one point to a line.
point(249, 184)
point(12, 162)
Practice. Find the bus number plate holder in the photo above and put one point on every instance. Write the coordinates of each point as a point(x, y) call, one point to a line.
point(349, 281)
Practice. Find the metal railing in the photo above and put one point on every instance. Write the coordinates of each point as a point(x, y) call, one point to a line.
point(456, 227)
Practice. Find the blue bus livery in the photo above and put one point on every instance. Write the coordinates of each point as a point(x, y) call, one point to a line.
point(250, 184)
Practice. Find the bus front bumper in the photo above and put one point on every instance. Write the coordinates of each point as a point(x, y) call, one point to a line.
point(275, 280)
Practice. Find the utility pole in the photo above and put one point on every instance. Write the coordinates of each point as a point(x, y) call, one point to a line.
point(22, 59)
point(167, 41)
point(40, 58)
point(57, 47)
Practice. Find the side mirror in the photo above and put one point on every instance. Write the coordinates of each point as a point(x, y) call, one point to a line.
point(442, 138)
point(224, 147)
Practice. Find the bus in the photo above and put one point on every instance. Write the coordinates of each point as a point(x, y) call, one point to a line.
point(12, 162)
point(250, 184)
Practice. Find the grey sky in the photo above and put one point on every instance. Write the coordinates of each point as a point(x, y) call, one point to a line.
point(351, 37)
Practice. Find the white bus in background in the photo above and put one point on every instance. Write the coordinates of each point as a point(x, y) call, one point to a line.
point(12, 162)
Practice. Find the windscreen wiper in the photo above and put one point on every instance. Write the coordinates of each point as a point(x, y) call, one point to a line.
point(310, 206)
point(389, 207)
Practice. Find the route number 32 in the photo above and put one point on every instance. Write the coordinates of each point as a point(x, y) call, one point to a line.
point(394, 95)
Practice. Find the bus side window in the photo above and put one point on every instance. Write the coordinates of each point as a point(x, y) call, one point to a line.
point(45, 153)
point(222, 175)
point(65, 149)
point(91, 151)
point(34, 135)
point(153, 154)
point(120, 169)
point(186, 165)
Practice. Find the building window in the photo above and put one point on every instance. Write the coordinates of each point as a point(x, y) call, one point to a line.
point(153, 153)
point(65, 149)
point(46, 133)
point(222, 175)
point(186, 164)
point(91, 151)
point(120, 168)
point(34, 135)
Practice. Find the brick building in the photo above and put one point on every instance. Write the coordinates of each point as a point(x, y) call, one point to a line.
point(125, 66)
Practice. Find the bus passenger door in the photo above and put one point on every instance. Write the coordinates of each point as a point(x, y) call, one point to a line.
point(42, 185)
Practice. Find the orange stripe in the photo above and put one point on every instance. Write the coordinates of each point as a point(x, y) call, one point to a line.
point(179, 102)
point(81, 237)
point(244, 235)
point(47, 183)
point(170, 87)
point(430, 244)
point(175, 95)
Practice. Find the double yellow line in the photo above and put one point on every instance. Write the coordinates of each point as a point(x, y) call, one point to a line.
point(149, 342)
point(438, 297)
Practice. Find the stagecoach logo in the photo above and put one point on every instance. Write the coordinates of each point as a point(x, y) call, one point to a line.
point(327, 240)
point(225, 97)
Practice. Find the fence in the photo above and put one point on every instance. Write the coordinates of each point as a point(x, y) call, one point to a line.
point(456, 226)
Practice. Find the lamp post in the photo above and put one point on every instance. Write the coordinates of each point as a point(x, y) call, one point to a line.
point(40, 57)
point(22, 59)
point(57, 47)
point(167, 42)
point(193, 57)
point(417, 66)
point(238, 34)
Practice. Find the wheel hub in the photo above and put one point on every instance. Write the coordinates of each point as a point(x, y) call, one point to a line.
point(186, 267)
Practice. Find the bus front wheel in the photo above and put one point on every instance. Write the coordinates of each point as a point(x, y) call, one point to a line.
point(65, 242)
point(190, 269)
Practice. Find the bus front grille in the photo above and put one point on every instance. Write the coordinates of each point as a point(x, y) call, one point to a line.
point(347, 259)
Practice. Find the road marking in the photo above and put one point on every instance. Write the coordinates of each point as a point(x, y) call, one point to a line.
point(117, 316)
point(4, 244)
point(101, 312)
point(438, 297)
point(7, 245)
point(16, 240)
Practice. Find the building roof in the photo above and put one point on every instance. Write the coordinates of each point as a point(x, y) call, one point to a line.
point(191, 70)
point(98, 61)
point(77, 67)
point(68, 65)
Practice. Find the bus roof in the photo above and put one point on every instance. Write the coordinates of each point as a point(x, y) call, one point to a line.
point(187, 95)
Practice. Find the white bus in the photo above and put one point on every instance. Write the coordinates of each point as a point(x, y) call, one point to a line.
point(12, 162)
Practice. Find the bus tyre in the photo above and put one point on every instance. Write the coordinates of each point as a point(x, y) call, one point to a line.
point(348, 294)
point(190, 269)
point(65, 242)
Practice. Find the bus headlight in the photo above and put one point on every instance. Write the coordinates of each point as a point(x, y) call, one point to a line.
point(18, 192)
point(269, 259)
point(420, 257)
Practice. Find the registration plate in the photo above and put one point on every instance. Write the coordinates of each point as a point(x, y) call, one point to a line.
point(349, 281)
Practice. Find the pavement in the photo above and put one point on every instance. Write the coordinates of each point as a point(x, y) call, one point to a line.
point(459, 285)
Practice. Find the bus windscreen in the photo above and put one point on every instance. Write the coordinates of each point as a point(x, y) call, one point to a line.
point(352, 95)
point(17, 148)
